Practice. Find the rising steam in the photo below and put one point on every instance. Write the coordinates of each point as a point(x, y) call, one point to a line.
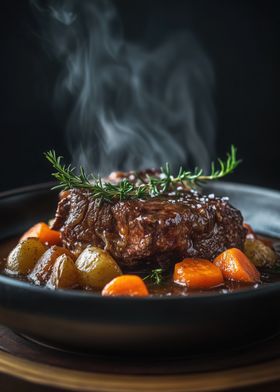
point(132, 108)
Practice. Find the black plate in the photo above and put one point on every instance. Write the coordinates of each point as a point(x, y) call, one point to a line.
point(87, 321)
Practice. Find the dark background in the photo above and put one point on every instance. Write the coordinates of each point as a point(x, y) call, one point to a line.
point(240, 37)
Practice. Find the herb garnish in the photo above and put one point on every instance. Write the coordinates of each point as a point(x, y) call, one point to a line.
point(68, 179)
point(192, 179)
point(150, 186)
point(155, 276)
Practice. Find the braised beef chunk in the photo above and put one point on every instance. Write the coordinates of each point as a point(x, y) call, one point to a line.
point(157, 231)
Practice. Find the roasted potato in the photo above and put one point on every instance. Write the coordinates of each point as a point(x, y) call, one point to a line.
point(64, 273)
point(24, 256)
point(260, 254)
point(43, 268)
point(96, 268)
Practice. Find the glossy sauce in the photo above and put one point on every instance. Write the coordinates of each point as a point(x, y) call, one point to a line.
point(167, 287)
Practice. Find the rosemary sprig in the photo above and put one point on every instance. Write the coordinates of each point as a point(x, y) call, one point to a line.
point(224, 168)
point(67, 179)
point(155, 276)
point(150, 187)
point(190, 179)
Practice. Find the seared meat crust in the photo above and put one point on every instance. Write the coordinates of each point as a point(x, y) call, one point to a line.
point(157, 231)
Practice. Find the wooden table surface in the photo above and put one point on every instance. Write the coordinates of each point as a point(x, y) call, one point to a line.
point(12, 384)
point(27, 366)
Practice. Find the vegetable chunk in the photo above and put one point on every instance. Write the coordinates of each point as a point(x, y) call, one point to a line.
point(43, 268)
point(44, 233)
point(126, 285)
point(64, 273)
point(236, 266)
point(197, 274)
point(96, 268)
point(24, 256)
point(259, 253)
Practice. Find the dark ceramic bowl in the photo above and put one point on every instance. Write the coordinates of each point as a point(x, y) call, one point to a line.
point(87, 321)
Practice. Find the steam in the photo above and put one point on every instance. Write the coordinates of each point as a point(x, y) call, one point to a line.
point(131, 108)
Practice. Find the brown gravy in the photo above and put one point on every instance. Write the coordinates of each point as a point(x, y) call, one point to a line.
point(167, 287)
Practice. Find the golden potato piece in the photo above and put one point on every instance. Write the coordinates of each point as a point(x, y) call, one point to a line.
point(64, 273)
point(260, 254)
point(96, 268)
point(43, 268)
point(24, 256)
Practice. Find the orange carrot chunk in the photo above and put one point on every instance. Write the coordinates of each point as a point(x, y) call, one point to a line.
point(126, 285)
point(197, 274)
point(46, 235)
point(236, 266)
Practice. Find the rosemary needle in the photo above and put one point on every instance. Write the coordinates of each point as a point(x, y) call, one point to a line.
point(155, 276)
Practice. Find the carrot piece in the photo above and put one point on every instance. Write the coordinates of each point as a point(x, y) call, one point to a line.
point(197, 274)
point(236, 266)
point(126, 285)
point(42, 231)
